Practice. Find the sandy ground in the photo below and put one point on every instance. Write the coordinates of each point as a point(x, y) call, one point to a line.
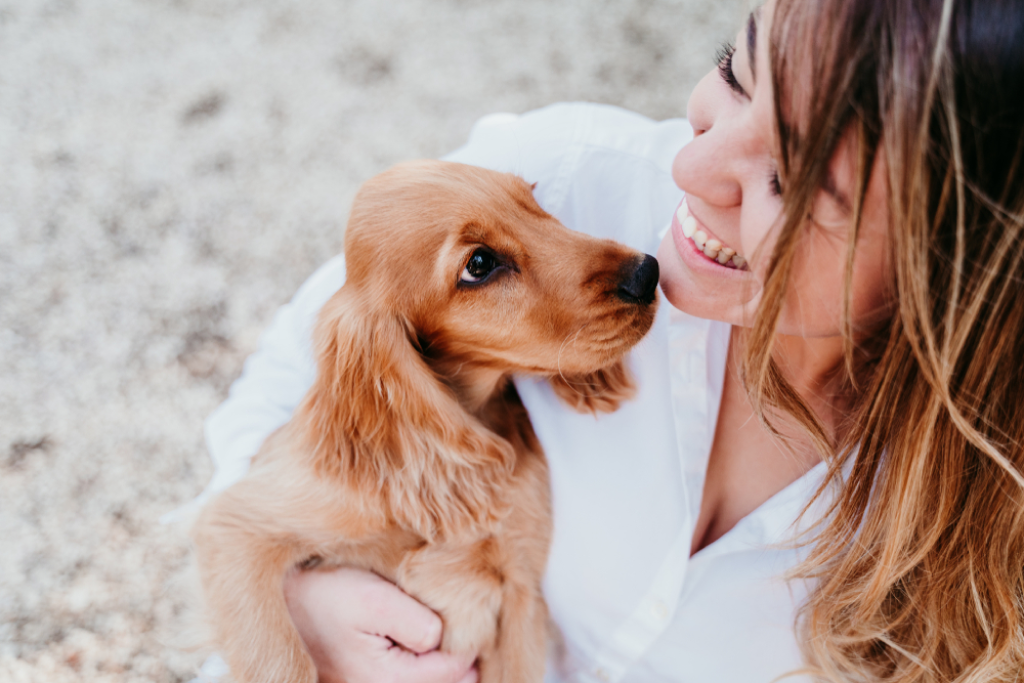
point(170, 171)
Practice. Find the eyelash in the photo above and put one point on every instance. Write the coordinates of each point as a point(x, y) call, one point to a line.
point(774, 184)
point(724, 60)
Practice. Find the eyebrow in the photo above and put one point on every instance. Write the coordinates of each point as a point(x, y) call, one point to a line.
point(752, 21)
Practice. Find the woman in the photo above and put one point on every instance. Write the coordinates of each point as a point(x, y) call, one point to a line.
point(844, 367)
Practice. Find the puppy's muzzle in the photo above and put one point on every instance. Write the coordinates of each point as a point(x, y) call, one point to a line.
point(639, 281)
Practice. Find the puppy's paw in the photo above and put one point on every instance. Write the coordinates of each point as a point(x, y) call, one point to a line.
point(597, 392)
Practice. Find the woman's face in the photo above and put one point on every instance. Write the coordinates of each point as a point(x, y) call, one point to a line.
point(729, 175)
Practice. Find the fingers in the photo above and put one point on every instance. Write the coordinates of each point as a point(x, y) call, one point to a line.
point(351, 621)
point(390, 612)
point(433, 667)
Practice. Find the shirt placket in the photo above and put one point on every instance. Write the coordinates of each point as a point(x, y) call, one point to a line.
point(688, 364)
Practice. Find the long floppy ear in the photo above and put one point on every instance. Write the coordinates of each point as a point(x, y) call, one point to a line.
point(379, 418)
point(597, 392)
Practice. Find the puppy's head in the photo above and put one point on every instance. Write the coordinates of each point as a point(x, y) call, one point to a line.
point(486, 278)
point(456, 278)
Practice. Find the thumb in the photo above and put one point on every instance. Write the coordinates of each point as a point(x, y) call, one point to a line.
point(392, 613)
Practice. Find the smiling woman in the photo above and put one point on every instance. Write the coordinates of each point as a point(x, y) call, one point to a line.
point(834, 394)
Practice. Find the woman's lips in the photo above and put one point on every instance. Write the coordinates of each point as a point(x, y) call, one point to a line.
point(703, 242)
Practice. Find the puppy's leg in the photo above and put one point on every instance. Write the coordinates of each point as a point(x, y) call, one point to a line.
point(242, 572)
point(521, 647)
point(246, 540)
point(461, 584)
point(488, 593)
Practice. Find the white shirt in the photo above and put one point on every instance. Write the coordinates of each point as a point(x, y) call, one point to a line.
point(630, 602)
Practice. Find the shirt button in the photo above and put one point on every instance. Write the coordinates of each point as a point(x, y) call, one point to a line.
point(660, 610)
point(602, 675)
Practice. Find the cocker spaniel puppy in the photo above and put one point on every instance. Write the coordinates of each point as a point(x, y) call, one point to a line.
point(412, 455)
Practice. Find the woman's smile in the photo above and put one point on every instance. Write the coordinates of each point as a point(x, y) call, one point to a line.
point(691, 235)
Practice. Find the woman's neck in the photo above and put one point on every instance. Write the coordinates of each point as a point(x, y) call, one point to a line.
point(810, 364)
point(810, 367)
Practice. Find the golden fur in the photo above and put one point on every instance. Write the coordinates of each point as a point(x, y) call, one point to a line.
point(412, 456)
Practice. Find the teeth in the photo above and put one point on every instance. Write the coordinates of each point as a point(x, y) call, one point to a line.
point(683, 212)
point(711, 247)
point(689, 226)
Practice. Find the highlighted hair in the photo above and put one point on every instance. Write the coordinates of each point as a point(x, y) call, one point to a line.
point(920, 560)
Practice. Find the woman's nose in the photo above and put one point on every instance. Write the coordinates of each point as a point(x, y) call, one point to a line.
point(704, 167)
point(700, 108)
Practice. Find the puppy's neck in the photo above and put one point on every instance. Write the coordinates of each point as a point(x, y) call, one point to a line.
point(474, 385)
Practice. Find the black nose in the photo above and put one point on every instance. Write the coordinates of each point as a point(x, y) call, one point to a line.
point(640, 282)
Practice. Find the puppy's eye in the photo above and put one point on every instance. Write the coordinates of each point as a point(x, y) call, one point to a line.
point(479, 266)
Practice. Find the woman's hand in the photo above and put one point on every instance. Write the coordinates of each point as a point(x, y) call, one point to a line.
point(361, 628)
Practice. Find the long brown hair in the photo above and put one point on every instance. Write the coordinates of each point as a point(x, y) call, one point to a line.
point(920, 560)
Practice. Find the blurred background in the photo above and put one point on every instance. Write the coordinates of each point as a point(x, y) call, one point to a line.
point(170, 172)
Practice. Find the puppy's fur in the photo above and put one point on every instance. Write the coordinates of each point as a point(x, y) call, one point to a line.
point(412, 456)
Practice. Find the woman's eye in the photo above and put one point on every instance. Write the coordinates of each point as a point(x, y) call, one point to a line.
point(774, 184)
point(479, 266)
point(724, 60)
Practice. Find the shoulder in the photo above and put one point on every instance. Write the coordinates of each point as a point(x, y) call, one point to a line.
point(572, 123)
point(600, 169)
point(498, 140)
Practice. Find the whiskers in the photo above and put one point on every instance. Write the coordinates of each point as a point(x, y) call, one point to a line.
point(573, 338)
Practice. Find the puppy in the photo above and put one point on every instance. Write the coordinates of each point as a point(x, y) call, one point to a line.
point(412, 456)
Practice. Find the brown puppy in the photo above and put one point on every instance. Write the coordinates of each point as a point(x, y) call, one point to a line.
point(412, 456)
